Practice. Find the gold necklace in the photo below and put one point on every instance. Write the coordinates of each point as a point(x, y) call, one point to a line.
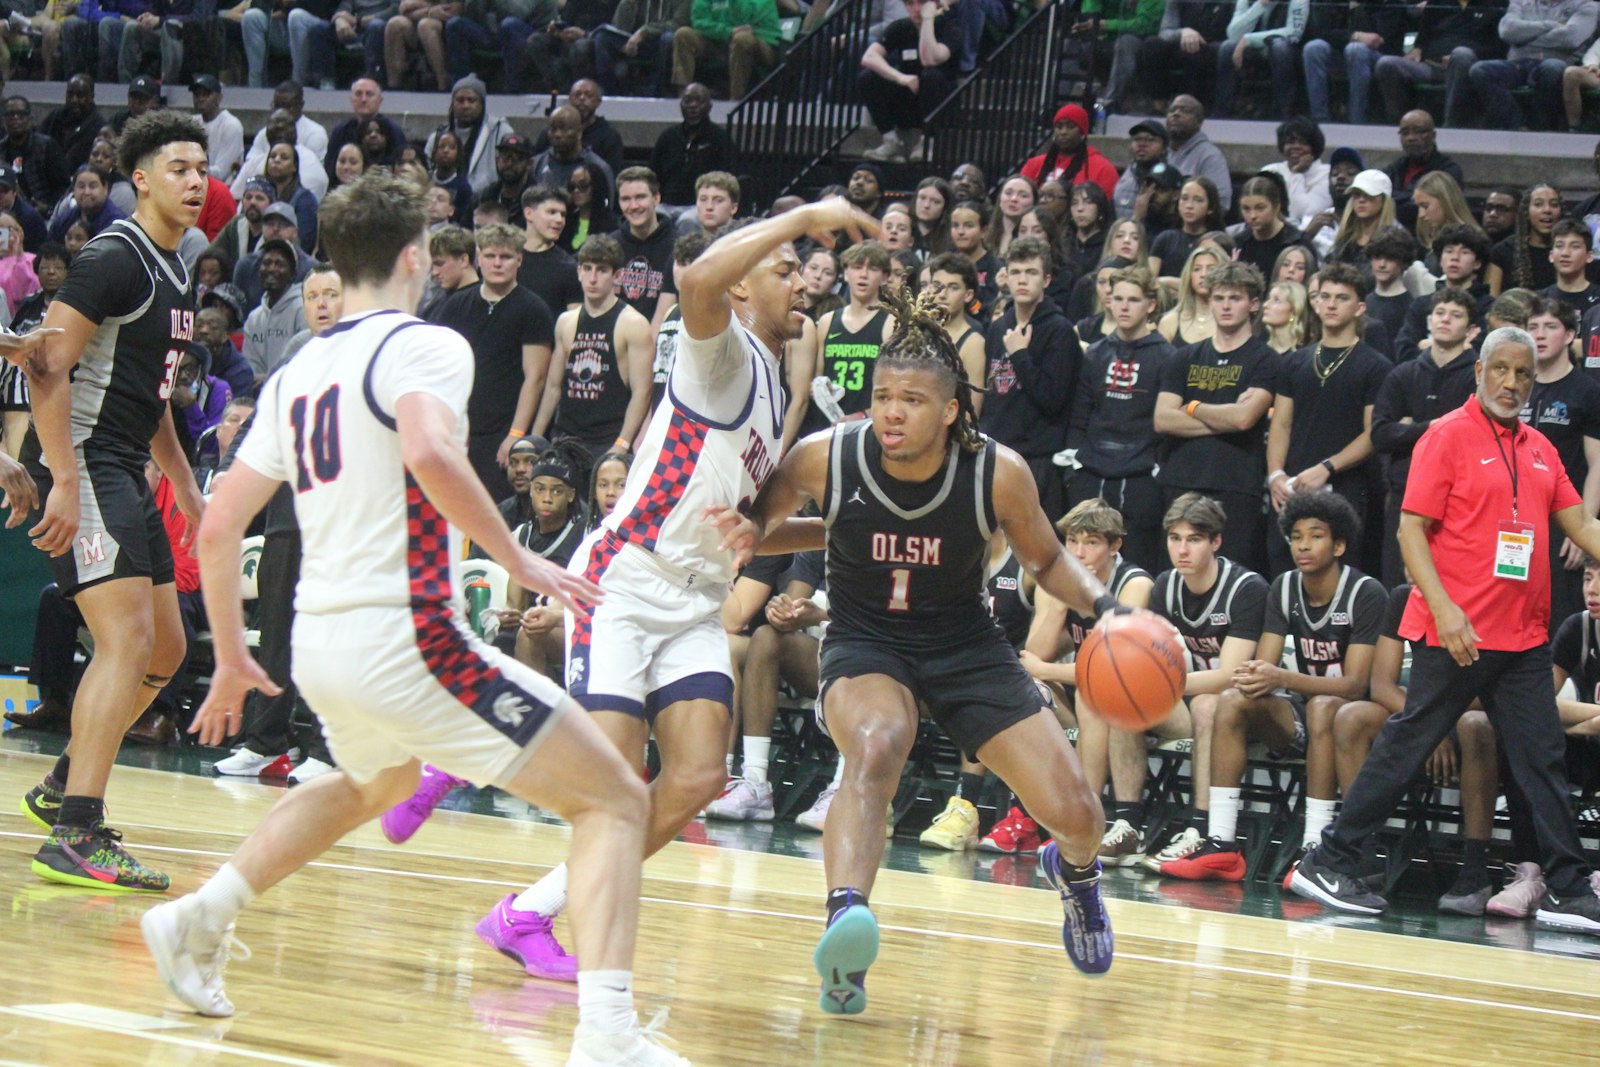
point(1324, 373)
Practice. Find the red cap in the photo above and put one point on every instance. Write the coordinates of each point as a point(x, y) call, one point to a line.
point(1074, 114)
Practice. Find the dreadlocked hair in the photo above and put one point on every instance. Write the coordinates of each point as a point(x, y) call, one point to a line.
point(920, 343)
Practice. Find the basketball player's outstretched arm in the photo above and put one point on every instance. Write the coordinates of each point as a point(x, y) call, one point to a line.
point(1033, 540)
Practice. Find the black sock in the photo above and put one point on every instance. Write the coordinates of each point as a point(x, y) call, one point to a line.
point(1201, 821)
point(1474, 874)
point(1076, 874)
point(971, 786)
point(63, 765)
point(840, 899)
point(1016, 802)
point(1128, 812)
point(81, 813)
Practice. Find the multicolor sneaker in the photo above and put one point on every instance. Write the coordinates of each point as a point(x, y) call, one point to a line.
point(1086, 931)
point(1017, 832)
point(848, 947)
point(956, 828)
point(94, 859)
point(42, 803)
point(527, 937)
point(816, 815)
point(1520, 899)
point(407, 817)
point(743, 801)
point(1213, 861)
point(191, 953)
point(1183, 843)
point(635, 1047)
point(1122, 845)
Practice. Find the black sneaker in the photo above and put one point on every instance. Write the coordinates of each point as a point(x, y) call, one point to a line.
point(42, 803)
point(1334, 889)
point(1579, 913)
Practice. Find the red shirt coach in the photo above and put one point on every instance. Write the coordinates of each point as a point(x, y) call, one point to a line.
point(1469, 474)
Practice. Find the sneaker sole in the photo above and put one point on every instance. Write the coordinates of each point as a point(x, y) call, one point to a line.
point(1133, 859)
point(989, 846)
point(948, 846)
point(807, 824)
point(1309, 889)
point(33, 816)
point(1473, 905)
point(160, 939)
point(89, 881)
point(1200, 873)
point(1503, 912)
point(848, 947)
point(1560, 920)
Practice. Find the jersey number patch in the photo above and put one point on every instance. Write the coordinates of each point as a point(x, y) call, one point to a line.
point(170, 374)
point(900, 589)
point(322, 445)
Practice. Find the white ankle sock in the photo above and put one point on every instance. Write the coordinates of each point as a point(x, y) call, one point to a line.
point(838, 773)
point(225, 895)
point(727, 761)
point(1224, 814)
point(1319, 813)
point(757, 750)
point(605, 1001)
point(547, 896)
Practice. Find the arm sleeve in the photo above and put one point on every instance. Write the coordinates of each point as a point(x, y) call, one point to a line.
point(1517, 28)
point(1566, 651)
point(1572, 34)
point(1564, 496)
point(1171, 22)
point(1274, 623)
point(1175, 374)
point(1377, 374)
point(1082, 403)
point(810, 568)
point(262, 447)
point(1368, 612)
point(424, 359)
point(1249, 611)
point(1247, 14)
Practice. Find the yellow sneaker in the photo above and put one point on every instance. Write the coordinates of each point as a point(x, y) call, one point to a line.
point(956, 828)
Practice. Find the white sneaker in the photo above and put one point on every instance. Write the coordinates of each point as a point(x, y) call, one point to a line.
point(891, 150)
point(190, 955)
point(244, 763)
point(743, 801)
point(814, 817)
point(911, 142)
point(637, 1047)
point(311, 768)
point(1183, 844)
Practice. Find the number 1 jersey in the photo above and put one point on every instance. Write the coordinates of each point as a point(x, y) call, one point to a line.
point(325, 424)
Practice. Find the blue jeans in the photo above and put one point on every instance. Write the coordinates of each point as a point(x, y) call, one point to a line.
point(461, 36)
point(109, 32)
point(617, 74)
point(1280, 56)
point(372, 48)
point(1397, 74)
point(262, 34)
point(1358, 62)
point(311, 45)
point(1493, 79)
point(974, 15)
point(514, 34)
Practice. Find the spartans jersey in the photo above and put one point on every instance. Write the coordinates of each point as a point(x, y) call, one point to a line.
point(325, 424)
point(1122, 572)
point(1009, 601)
point(138, 295)
point(1320, 637)
point(1234, 606)
point(906, 560)
point(713, 441)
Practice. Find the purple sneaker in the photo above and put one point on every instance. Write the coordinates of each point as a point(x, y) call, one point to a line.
point(527, 937)
point(407, 817)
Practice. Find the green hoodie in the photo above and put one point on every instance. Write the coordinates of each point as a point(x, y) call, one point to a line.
point(716, 19)
point(1143, 21)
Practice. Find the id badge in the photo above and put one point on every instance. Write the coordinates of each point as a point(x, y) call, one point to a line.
point(1513, 551)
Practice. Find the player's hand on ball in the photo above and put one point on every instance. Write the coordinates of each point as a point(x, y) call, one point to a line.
point(219, 718)
point(541, 576)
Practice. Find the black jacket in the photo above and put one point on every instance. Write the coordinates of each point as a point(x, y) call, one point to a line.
point(1445, 27)
point(1030, 390)
point(1421, 390)
point(681, 155)
point(1113, 408)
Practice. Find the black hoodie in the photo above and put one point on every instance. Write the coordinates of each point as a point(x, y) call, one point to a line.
point(1421, 390)
point(1113, 410)
point(1030, 390)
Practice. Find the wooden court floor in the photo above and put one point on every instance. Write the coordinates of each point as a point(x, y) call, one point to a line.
point(369, 958)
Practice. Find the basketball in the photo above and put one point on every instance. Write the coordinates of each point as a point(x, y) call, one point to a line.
point(1131, 671)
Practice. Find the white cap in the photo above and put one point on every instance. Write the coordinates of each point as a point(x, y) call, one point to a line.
point(1372, 183)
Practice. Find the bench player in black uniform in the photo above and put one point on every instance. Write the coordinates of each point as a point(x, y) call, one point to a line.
point(1218, 608)
point(100, 403)
point(1094, 530)
point(910, 500)
point(1328, 614)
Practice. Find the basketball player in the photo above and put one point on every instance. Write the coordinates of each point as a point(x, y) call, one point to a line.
point(909, 501)
point(1329, 615)
point(1094, 534)
point(654, 656)
point(851, 338)
point(598, 390)
point(100, 390)
point(1219, 608)
point(369, 427)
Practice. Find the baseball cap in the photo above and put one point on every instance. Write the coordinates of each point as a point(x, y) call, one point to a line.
point(205, 83)
point(1165, 175)
point(229, 294)
point(144, 86)
point(283, 211)
point(1150, 126)
point(1347, 155)
point(8, 176)
point(279, 245)
point(1372, 183)
point(513, 142)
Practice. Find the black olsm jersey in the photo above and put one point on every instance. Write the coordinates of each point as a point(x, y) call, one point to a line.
point(906, 560)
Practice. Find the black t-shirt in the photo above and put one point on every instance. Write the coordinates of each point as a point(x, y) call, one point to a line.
point(1576, 650)
point(1251, 249)
point(497, 333)
point(1566, 411)
point(900, 39)
point(1234, 606)
point(646, 271)
point(1581, 301)
point(1328, 414)
point(1504, 256)
point(1391, 311)
point(553, 277)
point(1172, 247)
point(1227, 462)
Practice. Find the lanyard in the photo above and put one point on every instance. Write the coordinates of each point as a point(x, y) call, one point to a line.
point(1511, 465)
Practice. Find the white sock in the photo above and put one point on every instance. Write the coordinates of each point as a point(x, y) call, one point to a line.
point(605, 1001)
point(838, 773)
point(547, 896)
point(225, 895)
point(1319, 813)
point(727, 761)
point(756, 752)
point(1224, 814)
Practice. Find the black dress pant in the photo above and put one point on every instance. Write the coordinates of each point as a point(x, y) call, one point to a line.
point(1518, 694)
point(55, 638)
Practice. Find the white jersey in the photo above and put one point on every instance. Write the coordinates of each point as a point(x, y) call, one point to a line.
point(325, 425)
point(713, 441)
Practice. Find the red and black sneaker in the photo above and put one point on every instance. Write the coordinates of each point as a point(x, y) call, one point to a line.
point(1212, 861)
